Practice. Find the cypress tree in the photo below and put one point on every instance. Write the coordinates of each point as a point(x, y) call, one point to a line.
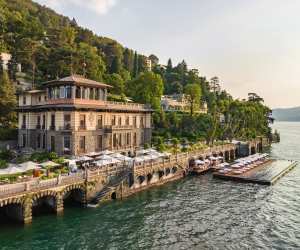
point(135, 65)
point(169, 66)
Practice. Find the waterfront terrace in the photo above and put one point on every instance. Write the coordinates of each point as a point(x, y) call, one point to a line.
point(71, 116)
point(101, 181)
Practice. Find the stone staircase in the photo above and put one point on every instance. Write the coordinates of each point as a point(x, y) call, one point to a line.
point(112, 185)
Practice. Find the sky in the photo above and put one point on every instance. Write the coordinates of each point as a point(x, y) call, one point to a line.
point(252, 46)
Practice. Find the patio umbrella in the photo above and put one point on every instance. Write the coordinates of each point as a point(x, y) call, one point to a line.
point(49, 164)
point(28, 165)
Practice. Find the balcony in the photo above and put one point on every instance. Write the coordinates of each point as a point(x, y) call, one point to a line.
point(101, 104)
point(111, 128)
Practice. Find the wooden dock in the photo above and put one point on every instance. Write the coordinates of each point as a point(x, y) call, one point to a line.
point(265, 174)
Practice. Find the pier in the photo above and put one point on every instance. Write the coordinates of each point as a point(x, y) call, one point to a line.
point(265, 174)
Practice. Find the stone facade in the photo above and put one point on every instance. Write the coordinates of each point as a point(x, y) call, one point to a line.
point(72, 116)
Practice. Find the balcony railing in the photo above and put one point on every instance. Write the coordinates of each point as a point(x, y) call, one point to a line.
point(100, 104)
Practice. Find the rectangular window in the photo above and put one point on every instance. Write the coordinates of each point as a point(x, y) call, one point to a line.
point(134, 139)
point(67, 121)
point(127, 120)
point(120, 140)
point(62, 92)
point(68, 92)
point(82, 122)
point(100, 121)
point(142, 122)
point(134, 122)
point(44, 122)
point(67, 144)
point(52, 122)
point(99, 142)
point(23, 140)
point(91, 97)
point(78, 92)
point(114, 140)
point(113, 120)
point(38, 123)
point(97, 94)
point(44, 141)
point(24, 100)
point(40, 98)
point(82, 143)
point(24, 122)
point(52, 143)
point(120, 121)
point(128, 136)
point(38, 141)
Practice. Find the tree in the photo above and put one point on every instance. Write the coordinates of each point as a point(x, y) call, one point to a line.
point(8, 102)
point(146, 88)
point(169, 66)
point(193, 92)
point(154, 60)
point(128, 60)
point(135, 65)
point(117, 82)
point(116, 65)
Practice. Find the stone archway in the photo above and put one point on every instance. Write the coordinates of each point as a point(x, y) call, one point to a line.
point(45, 203)
point(174, 170)
point(167, 171)
point(149, 177)
point(12, 211)
point(73, 195)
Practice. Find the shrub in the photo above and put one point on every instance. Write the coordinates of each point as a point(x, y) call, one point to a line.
point(3, 164)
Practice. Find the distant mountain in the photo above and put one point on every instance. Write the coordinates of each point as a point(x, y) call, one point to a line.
point(287, 114)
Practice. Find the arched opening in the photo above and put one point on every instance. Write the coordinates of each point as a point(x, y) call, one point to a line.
point(44, 205)
point(11, 214)
point(73, 197)
point(253, 150)
point(141, 179)
point(167, 171)
point(227, 156)
point(174, 170)
point(160, 174)
point(236, 151)
point(130, 180)
point(114, 196)
point(232, 154)
point(149, 177)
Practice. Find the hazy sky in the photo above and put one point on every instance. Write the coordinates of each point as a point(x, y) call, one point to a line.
point(252, 45)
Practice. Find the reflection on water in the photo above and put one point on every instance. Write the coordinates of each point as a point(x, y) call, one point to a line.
point(194, 213)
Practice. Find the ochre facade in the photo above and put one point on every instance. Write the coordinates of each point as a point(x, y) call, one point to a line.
point(72, 116)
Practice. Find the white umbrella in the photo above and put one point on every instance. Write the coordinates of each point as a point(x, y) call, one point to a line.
point(93, 154)
point(13, 170)
point(199, 162)
point(104, 157)
point(49, 164)
point(29, 165)
point(207, 161)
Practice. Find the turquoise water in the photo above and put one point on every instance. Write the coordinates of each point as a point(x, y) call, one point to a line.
point(194, 213)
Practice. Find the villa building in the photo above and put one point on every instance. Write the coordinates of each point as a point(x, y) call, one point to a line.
point(179, 103)
point(72, 116)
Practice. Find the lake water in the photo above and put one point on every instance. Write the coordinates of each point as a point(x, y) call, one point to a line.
point(194, 213)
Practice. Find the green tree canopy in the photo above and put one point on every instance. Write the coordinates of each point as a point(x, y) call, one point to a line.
point(7, 101)
point(146, 88)
point(193, 94)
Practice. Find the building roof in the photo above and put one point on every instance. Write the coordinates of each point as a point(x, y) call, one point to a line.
point(77, 79)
